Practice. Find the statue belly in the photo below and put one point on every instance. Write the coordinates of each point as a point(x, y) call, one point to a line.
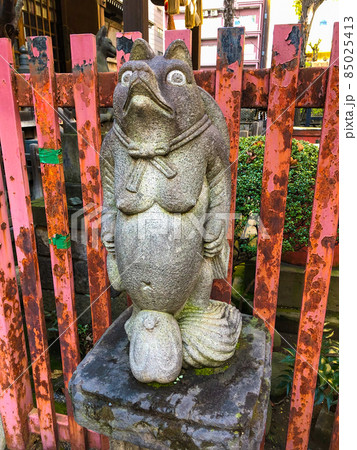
point(159, 255)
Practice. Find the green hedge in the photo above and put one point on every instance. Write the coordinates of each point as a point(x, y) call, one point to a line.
point(300, 192)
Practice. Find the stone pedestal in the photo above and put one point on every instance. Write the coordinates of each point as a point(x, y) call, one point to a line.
point(222, 408)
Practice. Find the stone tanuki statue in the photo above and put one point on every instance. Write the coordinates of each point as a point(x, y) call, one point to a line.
point(166, 183)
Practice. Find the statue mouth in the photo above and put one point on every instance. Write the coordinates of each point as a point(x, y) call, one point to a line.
point(140, 87)
point(112, 53)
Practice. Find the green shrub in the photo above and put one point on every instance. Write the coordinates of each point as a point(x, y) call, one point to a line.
point(317, 112)
point(299, 199)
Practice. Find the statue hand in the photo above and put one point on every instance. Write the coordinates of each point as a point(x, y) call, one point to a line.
point(108, 241)
point(214, 237)
point(108, 229)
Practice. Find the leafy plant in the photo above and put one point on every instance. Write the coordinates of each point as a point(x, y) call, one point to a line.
point(327, 385)
point(51, 324)
point(315, 50)
point(85, 336)
point(300, 196)
point(317, 112)
point(328, 379)
point(298, 8)
point(288, 376)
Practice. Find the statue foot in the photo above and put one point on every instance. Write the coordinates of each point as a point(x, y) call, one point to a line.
point(155, 347)
point(209, 336)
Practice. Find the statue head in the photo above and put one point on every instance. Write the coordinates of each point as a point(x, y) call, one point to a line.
point(158, 90)
point(105, 49)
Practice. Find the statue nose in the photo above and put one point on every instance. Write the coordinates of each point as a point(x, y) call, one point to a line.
point(140, 75)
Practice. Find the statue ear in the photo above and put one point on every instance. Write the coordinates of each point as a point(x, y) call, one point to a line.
point(141, 50)
point(178, 50)
point(10, 30)
point(101, 33)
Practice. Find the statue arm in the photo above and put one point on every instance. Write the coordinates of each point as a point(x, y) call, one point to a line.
point(109, 212)
point(219, 180)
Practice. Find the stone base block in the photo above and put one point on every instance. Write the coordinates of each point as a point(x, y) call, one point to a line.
point(222, 408)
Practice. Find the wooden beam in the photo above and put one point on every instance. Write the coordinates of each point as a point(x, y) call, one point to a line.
point(135, 16)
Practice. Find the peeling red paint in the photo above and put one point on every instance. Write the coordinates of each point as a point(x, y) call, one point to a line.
point(283, 88)
point(255, 88)
point(124, 43)
point(15, 387)
point(255, 91)
point(42, 78)
point(85, 90)
point(83, 48)
point(206, 79)
point(22, 221)
point(228, 96)
point(323, 232)
point(312, 84)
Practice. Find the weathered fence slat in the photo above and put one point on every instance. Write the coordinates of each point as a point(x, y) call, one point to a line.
point(85, 91)
point(255, 88)
point(124, 44)
point(15, 386)
point(281, 109)
point(49, 142)
point(184, 35)
point(24, 235)
point(62, 425)
point(323, 233)
point(229, 79)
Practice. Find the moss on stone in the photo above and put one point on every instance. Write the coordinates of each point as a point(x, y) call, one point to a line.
point(254, 321)
point(60, 408)
point(157, 385)
point(211, 370)
point(188, 308)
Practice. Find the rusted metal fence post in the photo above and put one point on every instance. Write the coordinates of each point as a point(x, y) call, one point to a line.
point(323, 233)
point(281, 109)
point(49, 141)
point(229, 79)
point(15, 388)
point(24, 234)
point(85, 91)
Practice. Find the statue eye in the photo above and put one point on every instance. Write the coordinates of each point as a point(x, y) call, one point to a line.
point(176, 77)
point(125, 78)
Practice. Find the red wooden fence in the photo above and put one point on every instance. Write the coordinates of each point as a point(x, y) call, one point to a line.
point(279, 90)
